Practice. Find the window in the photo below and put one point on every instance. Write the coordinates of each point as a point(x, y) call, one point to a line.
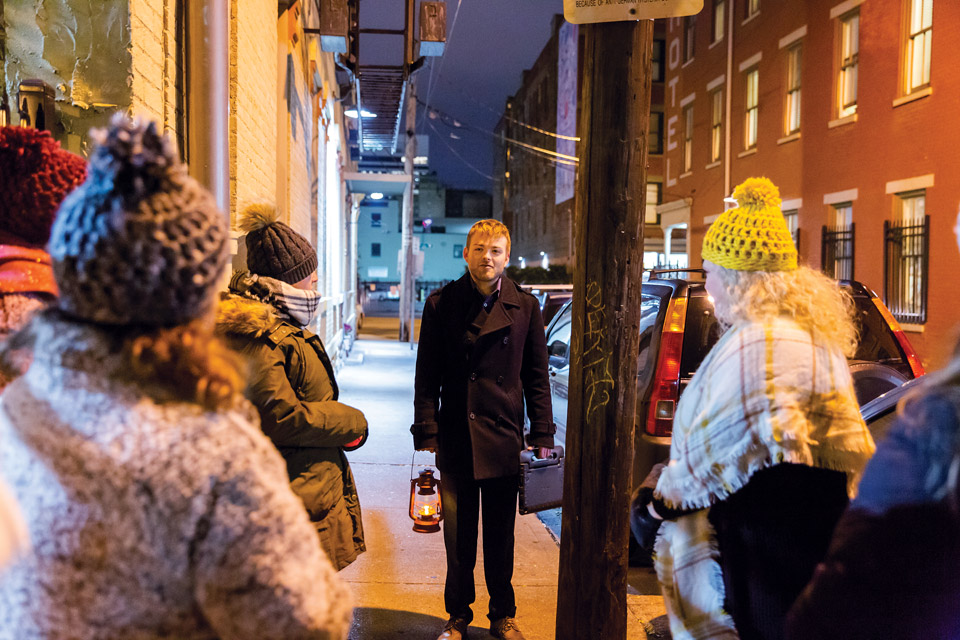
point(656, 67)
point(458, 251)
point(689, 32)
point(374, 249)
point(687, 139)
point(792, 216)
point(181, 79)
point(792, 112)
point(376, 220)
point(654, 197)
point(655, 135)
point(919, 39)
point(752, 103)
point(719, 13)
point(905, 256)
point(752, 8)
point(837, 243)
point(849, 61)
point(716, 125)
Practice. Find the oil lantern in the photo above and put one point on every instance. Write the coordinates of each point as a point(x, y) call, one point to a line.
point(426, 509)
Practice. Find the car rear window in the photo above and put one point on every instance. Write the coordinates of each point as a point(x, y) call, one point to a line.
point(700, 333)
point(877, 342)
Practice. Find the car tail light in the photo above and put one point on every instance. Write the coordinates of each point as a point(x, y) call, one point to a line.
point(666, 382)
point(915, 367)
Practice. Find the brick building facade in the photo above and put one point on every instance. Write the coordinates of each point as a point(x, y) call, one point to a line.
point(284, 128)
point(864, 161)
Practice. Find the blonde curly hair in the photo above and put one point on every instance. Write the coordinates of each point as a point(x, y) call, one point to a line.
point(811, 299)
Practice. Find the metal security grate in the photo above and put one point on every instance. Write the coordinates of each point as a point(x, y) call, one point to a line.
point(906, 253)
point(837, 252)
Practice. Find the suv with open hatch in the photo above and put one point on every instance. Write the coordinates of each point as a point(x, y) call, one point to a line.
point(678, 328)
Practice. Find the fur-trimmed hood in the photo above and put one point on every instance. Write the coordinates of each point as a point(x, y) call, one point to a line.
point(241, 316)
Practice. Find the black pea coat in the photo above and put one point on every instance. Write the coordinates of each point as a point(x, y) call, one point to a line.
point(475, 367)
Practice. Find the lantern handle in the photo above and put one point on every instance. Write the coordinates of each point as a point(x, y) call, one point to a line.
point(413, 462)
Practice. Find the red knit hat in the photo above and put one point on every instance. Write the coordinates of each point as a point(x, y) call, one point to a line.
point(35, 175)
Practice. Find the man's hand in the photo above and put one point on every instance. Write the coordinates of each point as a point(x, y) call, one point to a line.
point(542, 452)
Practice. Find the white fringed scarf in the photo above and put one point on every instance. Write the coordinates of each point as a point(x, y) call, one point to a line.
point(764, 395)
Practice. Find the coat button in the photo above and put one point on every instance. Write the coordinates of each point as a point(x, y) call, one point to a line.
point(506, 339)
point(499, 379)
point(473, 376)
point(473, 416)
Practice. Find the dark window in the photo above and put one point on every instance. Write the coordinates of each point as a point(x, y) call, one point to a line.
point(877, 342)
point(656, 70)
point(181, 79)
point(376, 219)
point(374, 249)
point(689, 33)
point(655, 136)
point(558, 343)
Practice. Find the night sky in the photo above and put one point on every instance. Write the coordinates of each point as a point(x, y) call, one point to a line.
point(488, 48)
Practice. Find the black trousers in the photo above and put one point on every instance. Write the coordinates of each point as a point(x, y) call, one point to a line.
point(463, 499)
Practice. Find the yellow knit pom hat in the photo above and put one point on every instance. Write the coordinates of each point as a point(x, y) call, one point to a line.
point(754, 236)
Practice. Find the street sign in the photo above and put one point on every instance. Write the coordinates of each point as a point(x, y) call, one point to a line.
point(583, 11)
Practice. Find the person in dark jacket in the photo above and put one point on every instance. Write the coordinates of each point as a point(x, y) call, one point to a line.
point(482, 353)
point(893, 567)
point(292, 382)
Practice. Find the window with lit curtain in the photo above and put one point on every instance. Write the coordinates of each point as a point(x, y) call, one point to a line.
point(689, 33)
point(687, 139)
point(919, 39)
point(753, 8)
point(716, 125)
point(654, 191)
point(752, 103)
point(792, 115)
point(719, 13)
point(849, 61)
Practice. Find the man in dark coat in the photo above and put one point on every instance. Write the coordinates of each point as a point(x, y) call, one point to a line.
point(482, 352)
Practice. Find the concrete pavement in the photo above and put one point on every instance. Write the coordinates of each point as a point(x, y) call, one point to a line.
point(398, 582)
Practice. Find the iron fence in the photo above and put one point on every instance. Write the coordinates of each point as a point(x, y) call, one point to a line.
point(837, 252)
point(906, 255)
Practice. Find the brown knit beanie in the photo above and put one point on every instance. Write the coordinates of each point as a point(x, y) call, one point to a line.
point(275, 250)
point(140, 242)
point(35, 175)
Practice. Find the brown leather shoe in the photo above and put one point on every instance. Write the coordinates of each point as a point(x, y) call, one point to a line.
point(506, 629)
point(454, 629)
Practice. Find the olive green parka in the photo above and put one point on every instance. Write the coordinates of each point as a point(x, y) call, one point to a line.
point(292, 384)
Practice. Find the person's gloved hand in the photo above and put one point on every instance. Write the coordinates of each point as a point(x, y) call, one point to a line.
point(642, 523)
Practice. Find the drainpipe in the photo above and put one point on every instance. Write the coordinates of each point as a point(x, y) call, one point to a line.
point(729, 103)
point(209, 98)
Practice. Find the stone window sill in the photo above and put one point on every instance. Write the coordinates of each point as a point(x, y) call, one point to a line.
point(916, 95)
point(839, 122)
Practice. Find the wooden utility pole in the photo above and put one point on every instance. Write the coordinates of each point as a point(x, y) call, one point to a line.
point(406, 256)
point(410, 152)
point(611, 187)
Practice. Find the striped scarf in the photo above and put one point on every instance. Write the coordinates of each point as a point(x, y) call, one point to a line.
point(765, 394)
point(298, 306)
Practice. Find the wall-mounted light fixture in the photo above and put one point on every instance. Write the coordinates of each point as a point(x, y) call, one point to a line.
point(352, 113)
point(35, 105)
point(376, 195)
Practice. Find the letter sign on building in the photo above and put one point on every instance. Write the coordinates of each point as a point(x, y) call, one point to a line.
point(583, 11)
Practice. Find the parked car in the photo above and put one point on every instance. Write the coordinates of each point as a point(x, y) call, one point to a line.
point(552, 297)
point(678, 328)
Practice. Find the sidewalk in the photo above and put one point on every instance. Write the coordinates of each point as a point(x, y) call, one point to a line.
point(398, 582)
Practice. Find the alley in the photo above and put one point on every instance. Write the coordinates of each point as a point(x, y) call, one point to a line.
point(398, 582)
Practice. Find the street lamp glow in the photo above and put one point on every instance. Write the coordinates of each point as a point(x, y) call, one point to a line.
point(352, 113)
point(544, 260)
point(376, 195)
point(523, 263)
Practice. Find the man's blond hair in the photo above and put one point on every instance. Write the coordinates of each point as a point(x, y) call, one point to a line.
point(489, 228)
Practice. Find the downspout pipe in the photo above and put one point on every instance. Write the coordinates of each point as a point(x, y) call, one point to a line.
point(727, 137)
point(209, 101)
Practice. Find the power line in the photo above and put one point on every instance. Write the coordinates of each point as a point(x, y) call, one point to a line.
point(456, 153)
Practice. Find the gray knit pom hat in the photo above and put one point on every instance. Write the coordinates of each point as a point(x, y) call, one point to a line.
point(140, 241)
point(274, 249)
